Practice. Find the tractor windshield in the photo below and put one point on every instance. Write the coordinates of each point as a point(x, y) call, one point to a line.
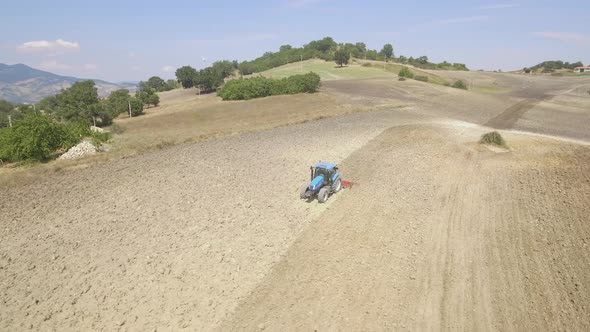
point(322, 171)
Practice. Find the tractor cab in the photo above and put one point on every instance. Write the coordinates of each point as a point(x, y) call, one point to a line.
point(326, 170)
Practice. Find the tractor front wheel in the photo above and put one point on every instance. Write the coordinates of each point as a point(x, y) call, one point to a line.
point(323, 195)
point(337, 186)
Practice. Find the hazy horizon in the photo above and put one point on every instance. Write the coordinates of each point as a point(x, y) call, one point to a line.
point(131, 41)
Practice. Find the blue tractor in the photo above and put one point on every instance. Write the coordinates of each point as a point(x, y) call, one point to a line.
point(325, 180)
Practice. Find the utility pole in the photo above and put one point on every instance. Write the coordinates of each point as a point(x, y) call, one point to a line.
point(10, 120)
point(129, 104)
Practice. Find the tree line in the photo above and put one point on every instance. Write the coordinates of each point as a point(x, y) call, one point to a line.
point(61, 121)
point(551, 66)
point(213, 77)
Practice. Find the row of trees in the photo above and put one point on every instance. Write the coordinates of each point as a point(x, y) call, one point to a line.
point(551, 66)
point(61, 121)
point(207, 79)
point(80, 103)
point(158, 84)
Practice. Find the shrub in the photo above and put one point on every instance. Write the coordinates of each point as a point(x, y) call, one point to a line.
point(460, 84)
point(35, 137)
point(137, 105)
point(366, 64)
point(447, 84)
point(75, 132)
point(405, 72)
point(99, 138)
point(421, 78)
point(493, 138)
point(245, 89)
point(401, 78)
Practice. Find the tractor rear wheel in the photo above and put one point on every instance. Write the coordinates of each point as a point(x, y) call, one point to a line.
point(337, 186)
point(323, 195)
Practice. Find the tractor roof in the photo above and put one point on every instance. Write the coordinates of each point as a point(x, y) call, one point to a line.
point(325, 165)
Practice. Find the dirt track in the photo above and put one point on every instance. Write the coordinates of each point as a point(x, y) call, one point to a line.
point(439, 233)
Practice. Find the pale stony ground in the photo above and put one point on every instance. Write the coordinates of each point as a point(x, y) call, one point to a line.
point(438, 232)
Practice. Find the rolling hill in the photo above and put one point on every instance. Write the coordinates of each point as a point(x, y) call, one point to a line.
point(20, 83)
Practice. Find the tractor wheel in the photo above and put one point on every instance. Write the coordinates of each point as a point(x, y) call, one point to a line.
point(303, 190)
point(337, 186)
point(323, 195)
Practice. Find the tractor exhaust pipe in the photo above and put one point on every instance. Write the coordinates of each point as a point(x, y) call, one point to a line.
point(311, 170)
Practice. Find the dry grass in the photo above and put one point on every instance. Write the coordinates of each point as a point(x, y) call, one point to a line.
point(185, 117)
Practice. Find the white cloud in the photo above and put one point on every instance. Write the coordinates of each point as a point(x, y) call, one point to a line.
point(45, 45)
point(499, 6)
point(464, 19)
point(167, 69)
point(131, 54)
point(566, 37)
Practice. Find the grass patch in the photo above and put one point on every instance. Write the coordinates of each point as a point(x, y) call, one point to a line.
point(460, 84)
point(421, 78)
point(492, 138)
point(328, 70)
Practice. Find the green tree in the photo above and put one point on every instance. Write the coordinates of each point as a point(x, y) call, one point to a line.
point(137, 106)
point(35, 137)
point(79, 103)
point(341, 57)
point(6, 109)
point(387, 51)
point(147, 96)
point(361, 48)
point(172, 84)
point(48, 104)
point(284, 48)
point(117, 102)
point(186, 76)
point(157, 83)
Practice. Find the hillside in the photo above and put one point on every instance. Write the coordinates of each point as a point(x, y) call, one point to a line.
point(20, 83)
point(358, 69)
point(553, 66)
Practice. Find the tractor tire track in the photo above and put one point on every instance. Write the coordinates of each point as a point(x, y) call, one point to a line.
point(508, 118)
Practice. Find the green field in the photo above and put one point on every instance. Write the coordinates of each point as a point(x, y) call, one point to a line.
point(330, 71)
point(327, 70)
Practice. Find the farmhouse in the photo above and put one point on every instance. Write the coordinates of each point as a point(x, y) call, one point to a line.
point(583, 69)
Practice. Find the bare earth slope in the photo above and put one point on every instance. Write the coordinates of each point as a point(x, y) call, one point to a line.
point(440, 234)
point(167, 239)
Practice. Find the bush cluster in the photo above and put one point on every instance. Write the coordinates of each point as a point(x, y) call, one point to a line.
point(244, 89)
point(460, 84)
point(405, 72)
point(493, 138)
point(38, 137)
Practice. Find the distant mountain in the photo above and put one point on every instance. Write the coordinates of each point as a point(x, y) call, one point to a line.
point(22, 84)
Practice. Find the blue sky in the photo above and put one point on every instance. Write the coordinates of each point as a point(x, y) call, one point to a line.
point(132, 40)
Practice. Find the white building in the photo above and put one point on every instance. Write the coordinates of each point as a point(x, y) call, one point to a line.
point(584, 69)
